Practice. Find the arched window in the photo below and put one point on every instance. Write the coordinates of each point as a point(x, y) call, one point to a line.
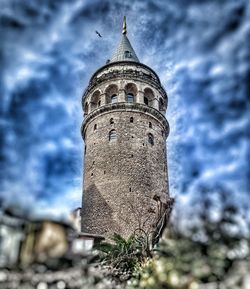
point(112, 135)
point(149, 95)
point(111, 121)
point(130, 97)
point(95, 98)
point(151, 139)
point(161, 104)
point(150, 124)
point(114, 98)
point(131, 92)
point(95, 126)
point(131, 119)
point(99, 103)
point(111, 93)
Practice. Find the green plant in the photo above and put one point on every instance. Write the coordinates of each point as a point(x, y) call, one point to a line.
point(121, 256)
point(206, 250)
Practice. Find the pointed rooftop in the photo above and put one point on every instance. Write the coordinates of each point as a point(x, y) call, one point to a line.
point(124, 51)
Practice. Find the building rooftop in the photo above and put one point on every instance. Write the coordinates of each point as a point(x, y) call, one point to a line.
point(124, 51)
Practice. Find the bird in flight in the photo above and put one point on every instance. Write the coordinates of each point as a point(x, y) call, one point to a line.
point(98, 34)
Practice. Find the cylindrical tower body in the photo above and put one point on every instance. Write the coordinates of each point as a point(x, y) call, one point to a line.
point(125, 167)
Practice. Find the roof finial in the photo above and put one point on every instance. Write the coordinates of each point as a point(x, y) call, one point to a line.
point(124, 27)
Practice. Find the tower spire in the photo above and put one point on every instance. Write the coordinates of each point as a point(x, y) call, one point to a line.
point(124, 51)
point(124, 26)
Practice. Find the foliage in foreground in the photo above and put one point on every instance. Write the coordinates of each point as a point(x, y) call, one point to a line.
point(207, 252)
point(122, 255)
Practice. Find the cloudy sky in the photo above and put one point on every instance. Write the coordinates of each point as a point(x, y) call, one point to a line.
point(49, 50)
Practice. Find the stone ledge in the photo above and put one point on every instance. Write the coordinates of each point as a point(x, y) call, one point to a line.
point(126, 107)
point(122, 64)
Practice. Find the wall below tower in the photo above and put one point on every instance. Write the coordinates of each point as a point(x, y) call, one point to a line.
point(125, 180)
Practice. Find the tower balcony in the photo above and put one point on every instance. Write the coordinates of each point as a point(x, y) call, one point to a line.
point(132, 83)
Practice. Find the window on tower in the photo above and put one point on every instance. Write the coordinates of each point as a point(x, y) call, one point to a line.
point(130, 97)
point(111, 121)
point(151, 139)
point(127, 54)
point(150, 124)
point(131, 119)
point(95, 126)
point(114, 98)
point(131, 92)
point(112, 135)
point(94, 101)
point(111, 93)
point(149, 96)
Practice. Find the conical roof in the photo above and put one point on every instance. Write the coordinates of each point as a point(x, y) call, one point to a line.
point(124, 51)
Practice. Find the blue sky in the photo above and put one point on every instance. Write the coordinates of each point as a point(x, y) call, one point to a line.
point(49, 50)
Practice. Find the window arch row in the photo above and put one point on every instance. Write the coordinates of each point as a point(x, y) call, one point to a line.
point(130, 92)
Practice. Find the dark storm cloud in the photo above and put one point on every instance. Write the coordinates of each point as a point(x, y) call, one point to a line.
point(49, 50)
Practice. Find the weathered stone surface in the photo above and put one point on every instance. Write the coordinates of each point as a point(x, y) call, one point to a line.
point(125, 179)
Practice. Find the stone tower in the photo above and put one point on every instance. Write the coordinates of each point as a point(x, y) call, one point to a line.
point(125, 167)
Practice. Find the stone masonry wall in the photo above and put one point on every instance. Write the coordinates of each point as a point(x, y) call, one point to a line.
point(122, 177)
point(125, 180)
